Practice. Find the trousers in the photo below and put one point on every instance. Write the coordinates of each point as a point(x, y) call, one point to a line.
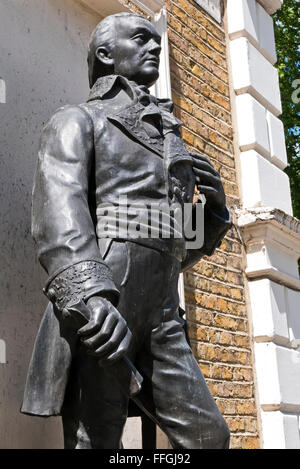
point(174, 391)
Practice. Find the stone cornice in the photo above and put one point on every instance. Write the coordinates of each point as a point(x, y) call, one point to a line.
point(108, 7)
point(265, 226)
point(271, 5)
point(247, 218)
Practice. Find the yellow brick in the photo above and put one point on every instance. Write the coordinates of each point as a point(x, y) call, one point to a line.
point(205, 368)
point(246, 407)
point(220, 274)
point(187, 136)
point(211, 302)
point(233, 390)
point(226, 322)
point(216, 44)
point(236, 294)
point(235, 424)
point(226, 406)
point(250, 442)
point(180, 14)
point(242, 424)
point(174, 24)
point(196, 70)
point(235, 278)
point(236, 309)
point(241, 341)
point(221, 372)
point(226, 338)
point(222, 305)
point(186, 6)
point(242, 374)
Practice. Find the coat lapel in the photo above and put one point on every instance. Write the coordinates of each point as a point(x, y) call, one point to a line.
point(143, 123)
point(132, 119)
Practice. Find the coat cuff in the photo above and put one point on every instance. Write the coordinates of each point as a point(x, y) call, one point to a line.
point(80, 281)
point(215, 228)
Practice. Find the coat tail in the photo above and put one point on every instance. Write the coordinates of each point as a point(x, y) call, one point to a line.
point(49, 367)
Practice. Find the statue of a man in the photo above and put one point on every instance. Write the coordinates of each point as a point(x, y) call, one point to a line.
point(123, 142)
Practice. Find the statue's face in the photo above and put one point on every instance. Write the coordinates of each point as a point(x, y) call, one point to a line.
point(137, 50)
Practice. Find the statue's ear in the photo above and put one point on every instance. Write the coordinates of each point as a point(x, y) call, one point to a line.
point(104, 56)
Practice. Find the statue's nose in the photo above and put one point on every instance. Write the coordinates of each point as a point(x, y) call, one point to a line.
point(154, 47)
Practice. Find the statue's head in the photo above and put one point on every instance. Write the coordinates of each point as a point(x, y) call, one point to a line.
point(124, 44)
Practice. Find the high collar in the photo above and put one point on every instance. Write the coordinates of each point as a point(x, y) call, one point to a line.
point(134, 118)
point(136, 92)
point(106, 84)
point(140, 96)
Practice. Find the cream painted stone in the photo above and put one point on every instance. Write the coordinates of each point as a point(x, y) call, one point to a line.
point(277, 141)
point(289, 376)
point(252, 125)
point(242, 20)
point(271, 5)
point(213, 8)
point(280, 431)
point(254, 74)
point(281, 259)
point(240, 64)
point(267, 259)
point(268, 308)
point(293, 314)
point(266, 34)
point(132, 436)
point(267, 373)
point(278, 372)
point(275, 312)
point(272, 240)
point(247, 18)
point(3, 360)
point(162, 441)
point(2, 91)
point(263, 184)
point(292, 433)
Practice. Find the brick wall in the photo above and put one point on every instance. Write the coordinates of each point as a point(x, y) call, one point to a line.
point(215, 295)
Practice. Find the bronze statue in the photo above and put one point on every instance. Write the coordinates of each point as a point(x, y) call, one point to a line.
point(121, 143)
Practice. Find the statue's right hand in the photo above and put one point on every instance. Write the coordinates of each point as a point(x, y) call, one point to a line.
point(106, 335)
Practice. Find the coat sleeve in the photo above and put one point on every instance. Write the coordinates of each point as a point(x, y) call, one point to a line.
point(62, 224)
point(215, 228)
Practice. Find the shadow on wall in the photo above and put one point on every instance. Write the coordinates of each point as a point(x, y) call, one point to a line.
point(43, 66)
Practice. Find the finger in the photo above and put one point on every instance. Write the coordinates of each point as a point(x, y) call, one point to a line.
point(104, 333)
point(113, 344)
point(87, 331)
point(207, 190)
point(177, 193)
point(203, 165)
point(122, 349)
point(207, 178)
point(93, 326)
point(196, 156)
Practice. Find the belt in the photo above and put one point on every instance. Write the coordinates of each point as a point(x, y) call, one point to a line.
point(171, 247)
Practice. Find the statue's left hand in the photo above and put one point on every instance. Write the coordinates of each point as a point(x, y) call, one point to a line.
point(106, 336)
point(209, 183)
point(182, 183)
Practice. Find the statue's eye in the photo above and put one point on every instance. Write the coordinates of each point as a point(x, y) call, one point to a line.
point(140, 37)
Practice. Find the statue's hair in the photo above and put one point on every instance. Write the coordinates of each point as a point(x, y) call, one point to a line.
point(103, 36)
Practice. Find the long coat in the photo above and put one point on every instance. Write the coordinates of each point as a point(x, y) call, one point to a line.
point(121, 142)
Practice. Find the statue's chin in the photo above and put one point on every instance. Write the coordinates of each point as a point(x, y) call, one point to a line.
point(147, 79)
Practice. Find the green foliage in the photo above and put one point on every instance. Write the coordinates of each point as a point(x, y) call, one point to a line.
point(287, 36)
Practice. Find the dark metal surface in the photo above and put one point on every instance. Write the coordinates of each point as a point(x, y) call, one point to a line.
point(121, 142)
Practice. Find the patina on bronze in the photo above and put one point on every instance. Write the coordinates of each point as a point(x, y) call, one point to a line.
point(121, 142)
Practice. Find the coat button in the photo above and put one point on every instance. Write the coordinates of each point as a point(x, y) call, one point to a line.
point(51, 294)
point(66, 313)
